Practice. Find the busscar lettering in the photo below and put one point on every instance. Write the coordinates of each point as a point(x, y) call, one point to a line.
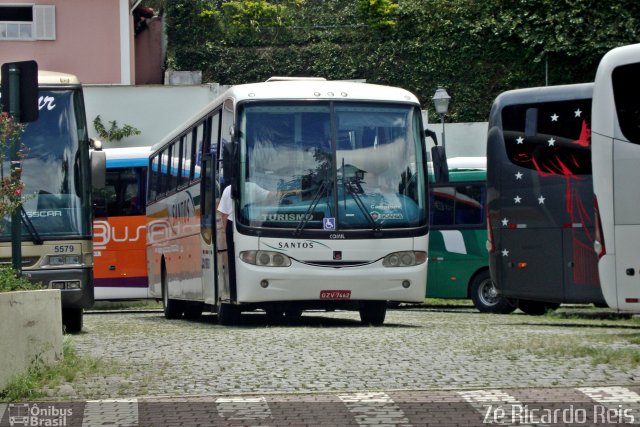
point(43, 214)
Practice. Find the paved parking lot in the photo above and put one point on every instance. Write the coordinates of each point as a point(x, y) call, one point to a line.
point(425, 366)
point(416, 349)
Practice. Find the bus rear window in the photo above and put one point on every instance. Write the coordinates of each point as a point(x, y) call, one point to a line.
point(553, 138)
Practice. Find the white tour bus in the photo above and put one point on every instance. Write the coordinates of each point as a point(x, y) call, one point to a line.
point(615, 143)
point(328, 183)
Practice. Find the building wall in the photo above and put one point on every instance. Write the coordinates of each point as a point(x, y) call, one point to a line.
point(87, 41)
point(153, 109)
point(148, 54)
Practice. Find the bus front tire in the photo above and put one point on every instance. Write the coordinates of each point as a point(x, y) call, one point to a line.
point(228, 314)
point(536, 308)
point(486, 298)
point(373, 312)
point(72, 320)
point(193, 310)
point(172, 309)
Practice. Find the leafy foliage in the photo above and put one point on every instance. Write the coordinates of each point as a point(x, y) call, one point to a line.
point(377, 13)
point(475, 49)
point(114, 133)
point(10, 281)
point(11, 185)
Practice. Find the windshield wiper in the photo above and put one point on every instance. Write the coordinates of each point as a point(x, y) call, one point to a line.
point(30, 227)
point(324, 186)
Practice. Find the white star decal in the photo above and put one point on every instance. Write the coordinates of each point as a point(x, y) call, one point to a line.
point(517, 199)
point(520, 140)
point(577, 113)
point(505, 222)
point(552, 142)
point(505, 252)
point(541, 200)
point(519, 175)
point(554, 118)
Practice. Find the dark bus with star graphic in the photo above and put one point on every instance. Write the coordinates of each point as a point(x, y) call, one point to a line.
point(540, 213)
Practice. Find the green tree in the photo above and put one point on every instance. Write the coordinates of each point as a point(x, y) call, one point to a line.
point(476, 49)
point(114, 133)
point(377, 14)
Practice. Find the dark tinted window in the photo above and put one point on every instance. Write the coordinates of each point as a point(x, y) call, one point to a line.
point(154, 177)
point(626, 92)
point(553, 138)
point(124, 191)
point(16, 13)
point(460, 205)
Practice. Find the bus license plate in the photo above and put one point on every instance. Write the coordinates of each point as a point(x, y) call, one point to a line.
point(335, 294)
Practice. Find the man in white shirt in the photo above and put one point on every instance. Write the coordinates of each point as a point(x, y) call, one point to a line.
point(255, 194)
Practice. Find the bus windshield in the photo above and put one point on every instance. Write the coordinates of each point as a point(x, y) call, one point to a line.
point(51, 169)
point(318, 165)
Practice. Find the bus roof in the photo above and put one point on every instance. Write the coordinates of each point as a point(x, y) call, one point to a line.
point(479, 163)
point(463, 169)
point(311, 88)
point(537, 95)
point(127, 157)
point(55, 78)
point(302, 89)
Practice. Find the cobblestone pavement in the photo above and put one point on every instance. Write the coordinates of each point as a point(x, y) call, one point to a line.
point(422, 367)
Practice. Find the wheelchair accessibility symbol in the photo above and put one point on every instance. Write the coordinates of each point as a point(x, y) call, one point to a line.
point(329, 223)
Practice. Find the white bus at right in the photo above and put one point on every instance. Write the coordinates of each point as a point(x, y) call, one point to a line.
point(615, 143)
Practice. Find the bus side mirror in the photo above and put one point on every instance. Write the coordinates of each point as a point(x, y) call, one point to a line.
point(440, 165)
point(431, 134)
point(98, 168)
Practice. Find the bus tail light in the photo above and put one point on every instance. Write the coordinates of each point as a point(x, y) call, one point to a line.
point(598, 240)
point(491, 248)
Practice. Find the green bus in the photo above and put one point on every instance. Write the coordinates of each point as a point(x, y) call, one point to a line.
point(458, 258)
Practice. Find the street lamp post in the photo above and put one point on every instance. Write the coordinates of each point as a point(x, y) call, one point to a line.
point(441, 101)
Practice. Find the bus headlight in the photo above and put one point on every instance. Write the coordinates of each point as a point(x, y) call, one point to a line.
point(404, 259)
point(64, 259)
point(265, 258)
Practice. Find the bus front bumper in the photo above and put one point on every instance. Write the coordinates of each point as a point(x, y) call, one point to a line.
point(307, 283)
point(76, 285)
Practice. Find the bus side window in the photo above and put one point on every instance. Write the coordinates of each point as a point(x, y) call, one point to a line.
point(469, 204)
point(626, 92)
point(442, 205)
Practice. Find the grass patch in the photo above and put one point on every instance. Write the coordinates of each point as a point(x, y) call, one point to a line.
point(619, 350)
point(448, 302)
point(31, 384)
point(127, 305)
point(587, 312)
point(596, 353)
